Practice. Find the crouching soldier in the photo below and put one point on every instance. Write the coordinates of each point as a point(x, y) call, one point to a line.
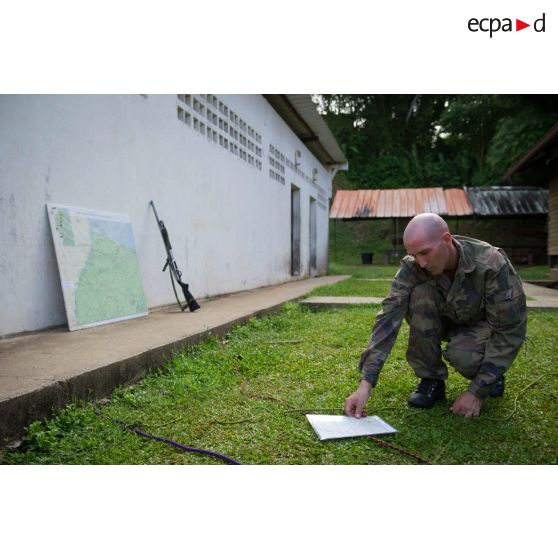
point(455, 289)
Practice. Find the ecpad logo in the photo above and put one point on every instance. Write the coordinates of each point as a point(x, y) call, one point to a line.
point(493, 25)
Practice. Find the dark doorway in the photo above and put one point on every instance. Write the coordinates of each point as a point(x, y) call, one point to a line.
point(313, 267)
point(295, 231)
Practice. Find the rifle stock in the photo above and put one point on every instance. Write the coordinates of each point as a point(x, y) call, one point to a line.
point(190, 300)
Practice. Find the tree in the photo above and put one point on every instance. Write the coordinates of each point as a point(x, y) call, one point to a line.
point(434, 140)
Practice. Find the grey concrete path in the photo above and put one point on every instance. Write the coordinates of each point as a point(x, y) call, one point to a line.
point(543, 298)
point(40, 373)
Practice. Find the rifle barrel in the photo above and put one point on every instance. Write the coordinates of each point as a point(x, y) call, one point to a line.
point(155, 211)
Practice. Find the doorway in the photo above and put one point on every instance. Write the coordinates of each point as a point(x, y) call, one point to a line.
point(295, 230)
point(313, 266)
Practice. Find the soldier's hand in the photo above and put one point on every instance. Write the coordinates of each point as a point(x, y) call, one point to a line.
point(467, 405)
point(354, 404)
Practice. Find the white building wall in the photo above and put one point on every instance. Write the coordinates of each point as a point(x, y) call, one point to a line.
point(228, 220)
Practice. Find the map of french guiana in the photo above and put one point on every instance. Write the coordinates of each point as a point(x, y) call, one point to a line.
point(98, 266)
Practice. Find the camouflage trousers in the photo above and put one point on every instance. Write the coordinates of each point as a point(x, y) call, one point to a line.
point(466, 343)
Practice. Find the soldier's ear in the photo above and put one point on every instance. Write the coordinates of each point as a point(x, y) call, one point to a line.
point(446, 238)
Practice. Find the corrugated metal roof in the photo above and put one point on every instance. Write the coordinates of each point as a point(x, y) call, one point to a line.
point(508, 200)
point(301, 115)
point(401, 202)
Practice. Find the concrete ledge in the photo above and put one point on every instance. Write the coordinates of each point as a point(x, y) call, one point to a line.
point(547, 283)
point(43, 372)
point(543, 297)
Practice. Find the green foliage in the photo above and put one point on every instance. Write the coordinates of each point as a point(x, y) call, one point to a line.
point(394, 141)
point(513, 137)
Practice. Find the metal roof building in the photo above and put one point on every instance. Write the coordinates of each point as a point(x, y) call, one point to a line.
point(493, 201)
point(543, 153)
point(525, 206)
point(403, 202)
point(242, 181)
point(544, 156)
point(485, 201)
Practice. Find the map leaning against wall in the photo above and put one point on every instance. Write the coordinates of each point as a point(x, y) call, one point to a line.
point(98, 266)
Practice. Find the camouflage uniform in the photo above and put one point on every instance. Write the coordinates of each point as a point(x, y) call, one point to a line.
point(482, 314)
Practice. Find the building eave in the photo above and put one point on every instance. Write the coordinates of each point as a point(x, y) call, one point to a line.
point(527, 159)
point(301, 115)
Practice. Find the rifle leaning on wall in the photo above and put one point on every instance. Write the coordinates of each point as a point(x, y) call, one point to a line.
point(174, 272)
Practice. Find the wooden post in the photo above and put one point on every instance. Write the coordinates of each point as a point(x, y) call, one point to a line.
point(335, 239)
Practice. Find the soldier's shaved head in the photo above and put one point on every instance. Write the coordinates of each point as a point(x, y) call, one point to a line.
point(427, 226)
point(428, 240)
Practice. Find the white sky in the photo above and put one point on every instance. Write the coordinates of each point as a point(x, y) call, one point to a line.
point(292, 46)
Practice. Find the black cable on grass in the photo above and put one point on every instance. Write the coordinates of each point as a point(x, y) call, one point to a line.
point(139, 432)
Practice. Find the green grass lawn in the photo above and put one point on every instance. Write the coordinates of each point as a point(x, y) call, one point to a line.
point(245, 396)
point(355, 287)
point(388, 271)
point(364, 271)
point(534, 272)
point(366, 280)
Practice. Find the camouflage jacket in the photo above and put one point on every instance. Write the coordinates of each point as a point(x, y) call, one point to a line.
point(485, 287)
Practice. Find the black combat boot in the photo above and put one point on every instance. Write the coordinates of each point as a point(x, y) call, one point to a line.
point(497, 389)
point(427, 393)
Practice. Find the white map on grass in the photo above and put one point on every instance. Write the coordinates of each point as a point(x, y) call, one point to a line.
point(98, 266)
